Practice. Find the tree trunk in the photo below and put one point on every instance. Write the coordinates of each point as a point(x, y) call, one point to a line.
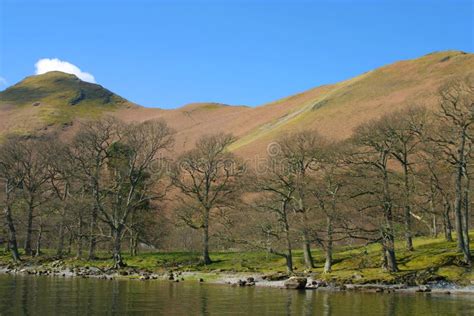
point(447, 220)
point(434, 226)
point(69, 243)
point(117, 252)
point(387, 232)
point(135, 244)
point(467, 251)
point(205, 239)
point(289, 248)
point(458, 195)
point(289, 262)
point(389, 252)
point(12, 242)
point(80, 238)
point(29, 230)
point(408, 232)
point(38, 240)
point(92, 237)
point(308, 257)
point(60, 248)
point(328, 263)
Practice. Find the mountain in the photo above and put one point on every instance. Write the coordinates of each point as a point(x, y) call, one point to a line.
point(53, 99)
point(334, 110)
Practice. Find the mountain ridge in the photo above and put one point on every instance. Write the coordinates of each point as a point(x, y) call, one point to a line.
point(332, 109)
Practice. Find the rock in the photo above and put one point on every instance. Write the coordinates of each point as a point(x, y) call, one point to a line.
point(201, 280)
point(315, 284)
point(275, 276)
point(94, 271)
point(424, 289)
point(321, 283)
point(295, 283)
point(241, 283)
point(144, 277)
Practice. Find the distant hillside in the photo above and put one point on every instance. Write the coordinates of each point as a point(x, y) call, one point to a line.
point(53, 98)
point(334, 110)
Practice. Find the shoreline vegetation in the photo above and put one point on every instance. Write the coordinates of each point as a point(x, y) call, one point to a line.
point(433, 266)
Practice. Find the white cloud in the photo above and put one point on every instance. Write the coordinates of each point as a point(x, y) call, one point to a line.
point(3, 81)
point(54, 64)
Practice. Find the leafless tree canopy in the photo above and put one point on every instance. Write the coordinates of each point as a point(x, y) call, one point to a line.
point(117, 185)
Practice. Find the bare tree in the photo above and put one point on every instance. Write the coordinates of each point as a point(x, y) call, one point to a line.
point(208, 179)
point(436, 177)
point(457, 115)
point(370, 159)
point(301, 153)
point(11, 177)
point(327, 188)
point(32, 165)
point(61, 167)
point(135, 166)
point(90, 149)
point(276, 188)
point(405, 129)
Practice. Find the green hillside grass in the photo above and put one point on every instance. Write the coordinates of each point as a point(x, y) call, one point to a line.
point(56, 98)
point(405, 83)
point(433, 259)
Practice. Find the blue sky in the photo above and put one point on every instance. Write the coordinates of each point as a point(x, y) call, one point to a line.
point(169, 53)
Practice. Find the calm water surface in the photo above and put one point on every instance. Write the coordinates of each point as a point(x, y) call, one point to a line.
point(31, 295)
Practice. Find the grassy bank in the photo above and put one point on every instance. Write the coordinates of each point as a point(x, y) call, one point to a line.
point(433, 259)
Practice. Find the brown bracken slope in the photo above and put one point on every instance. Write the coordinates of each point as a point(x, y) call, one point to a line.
point(334, 110)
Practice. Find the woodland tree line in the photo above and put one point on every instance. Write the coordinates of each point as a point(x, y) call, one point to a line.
point(404, 175)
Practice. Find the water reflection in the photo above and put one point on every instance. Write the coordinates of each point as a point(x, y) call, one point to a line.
point(26, 295)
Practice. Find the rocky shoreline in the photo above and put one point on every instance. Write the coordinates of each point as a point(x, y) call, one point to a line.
point(273, 280)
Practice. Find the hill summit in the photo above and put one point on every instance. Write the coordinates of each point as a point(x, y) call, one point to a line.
point(54, 98)
point(58, 88)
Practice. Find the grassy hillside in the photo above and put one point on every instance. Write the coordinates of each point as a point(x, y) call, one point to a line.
point(338, 109)
point(56, 99)
point(335, 110)
point(53, 99)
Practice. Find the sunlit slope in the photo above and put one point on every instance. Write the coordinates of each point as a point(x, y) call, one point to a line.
point(343, 106)
point(55, 100)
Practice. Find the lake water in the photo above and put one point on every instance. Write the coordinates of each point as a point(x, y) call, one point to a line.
point(33, 295)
